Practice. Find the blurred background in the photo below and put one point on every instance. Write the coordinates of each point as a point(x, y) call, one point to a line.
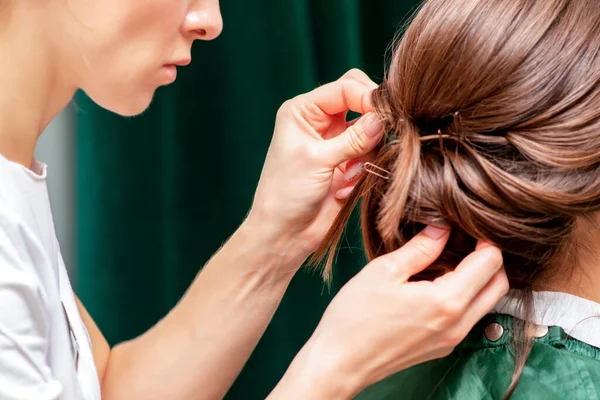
point(142, 203)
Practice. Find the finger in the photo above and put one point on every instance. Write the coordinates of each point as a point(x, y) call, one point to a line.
point(473, 273)
point(485, 300)
point(344, 193)
point(352, 170)
point(331, 207)
point(356, 141)
point(481, 244)
point(416, 255)
point(353, 167)
point(349, 93)
point(334, 125)
point(359, 75)
point(347, 124)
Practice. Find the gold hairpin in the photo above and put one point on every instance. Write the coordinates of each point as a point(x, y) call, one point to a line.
point(441, 140)
point(377, 171)
point(438, 136)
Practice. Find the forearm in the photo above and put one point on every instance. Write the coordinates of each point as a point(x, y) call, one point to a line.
point(198, 350)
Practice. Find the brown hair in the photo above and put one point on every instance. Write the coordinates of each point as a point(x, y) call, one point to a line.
point(493, 114)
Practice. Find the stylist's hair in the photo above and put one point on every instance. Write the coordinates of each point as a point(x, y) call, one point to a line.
point(493, 114)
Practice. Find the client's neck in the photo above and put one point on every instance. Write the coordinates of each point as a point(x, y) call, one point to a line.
point(580, 277)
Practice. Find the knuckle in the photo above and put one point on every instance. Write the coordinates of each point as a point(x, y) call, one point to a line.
point(453, 340)
point(344, 87)
point(501, 283)
point(448, 347)
point(505, 286)
point(453, 310)
point(285, 108)
point(450, 308)
point(421, 247)
point(355, 74)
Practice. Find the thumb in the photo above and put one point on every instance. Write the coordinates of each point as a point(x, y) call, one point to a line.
point(416, 255)
point(357, 140)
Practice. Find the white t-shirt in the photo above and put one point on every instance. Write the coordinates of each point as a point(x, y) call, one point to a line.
point(45, 350)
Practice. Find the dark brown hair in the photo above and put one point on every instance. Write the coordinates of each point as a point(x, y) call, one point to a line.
point(493, 114)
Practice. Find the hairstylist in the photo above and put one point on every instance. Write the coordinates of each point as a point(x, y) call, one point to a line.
point(119, 52)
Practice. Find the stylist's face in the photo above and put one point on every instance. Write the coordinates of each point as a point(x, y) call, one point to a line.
point(121, 51)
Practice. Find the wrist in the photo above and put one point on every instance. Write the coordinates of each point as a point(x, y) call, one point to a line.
point(288, 243)
point(281, 253)
point(317, 374)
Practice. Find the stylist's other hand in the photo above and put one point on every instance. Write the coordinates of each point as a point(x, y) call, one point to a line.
point(380, 323)
point(303, 171)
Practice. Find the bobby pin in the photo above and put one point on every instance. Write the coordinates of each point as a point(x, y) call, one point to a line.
point(377, 171)
point(438, 136)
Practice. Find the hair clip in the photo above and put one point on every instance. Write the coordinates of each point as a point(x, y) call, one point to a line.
point(377, 171)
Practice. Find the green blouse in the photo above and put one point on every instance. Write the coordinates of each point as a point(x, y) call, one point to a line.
point(558, 368)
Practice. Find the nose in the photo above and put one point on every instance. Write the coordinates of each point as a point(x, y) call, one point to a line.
point(204, 22)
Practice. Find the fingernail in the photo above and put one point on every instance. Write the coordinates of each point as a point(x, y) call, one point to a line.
point(353, 171)
point(434, 232)
point(342, 194)
point(373, 125)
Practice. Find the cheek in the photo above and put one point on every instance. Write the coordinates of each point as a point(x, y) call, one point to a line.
point(153, 21)
point(125, 50)
point(141, 31)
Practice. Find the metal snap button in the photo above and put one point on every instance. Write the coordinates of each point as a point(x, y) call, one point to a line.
point(494, 332)
point(539, 331)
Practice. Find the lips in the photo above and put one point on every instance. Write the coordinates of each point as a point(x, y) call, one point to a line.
point(170, 72)
point(170, 69)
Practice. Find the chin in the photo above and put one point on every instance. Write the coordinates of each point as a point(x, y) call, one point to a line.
point(126, 105)
point(132, 107)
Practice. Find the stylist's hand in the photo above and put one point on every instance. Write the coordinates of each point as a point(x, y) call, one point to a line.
point(297, 191)
point(380, 323)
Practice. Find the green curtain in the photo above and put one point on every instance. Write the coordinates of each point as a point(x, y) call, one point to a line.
point(158, 194)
